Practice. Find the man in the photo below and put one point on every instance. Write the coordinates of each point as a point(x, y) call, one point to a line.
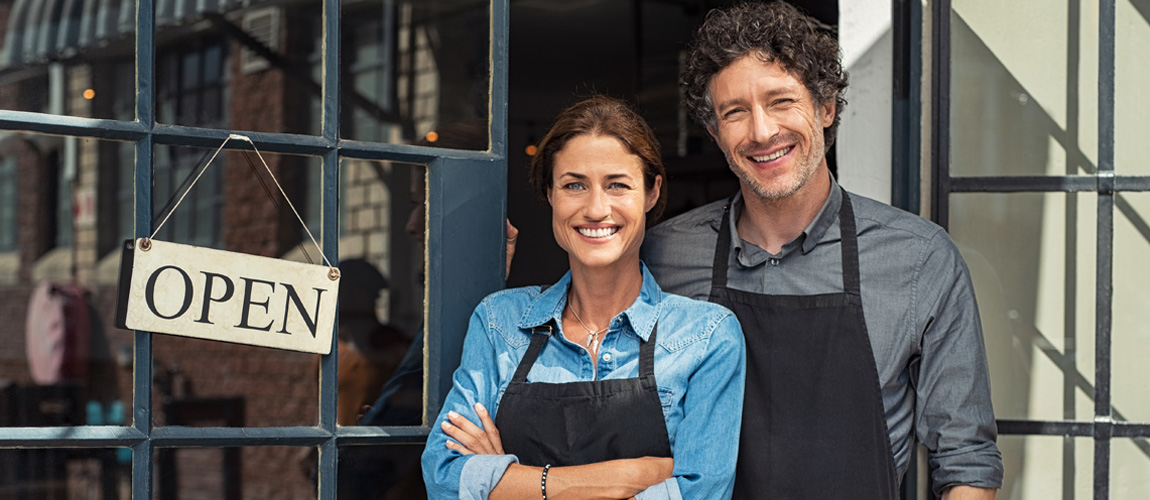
point(860, 320)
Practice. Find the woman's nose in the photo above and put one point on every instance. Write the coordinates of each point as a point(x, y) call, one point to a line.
point(598, 205)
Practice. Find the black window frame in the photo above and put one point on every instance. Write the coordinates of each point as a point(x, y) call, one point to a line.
point(465, 246)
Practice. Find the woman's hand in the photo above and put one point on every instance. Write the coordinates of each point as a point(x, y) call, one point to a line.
point(472, 439)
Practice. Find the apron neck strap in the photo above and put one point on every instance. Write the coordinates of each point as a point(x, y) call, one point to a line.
point(722, 248)
point(539, 336)
point(647, 354)
point(849, 247)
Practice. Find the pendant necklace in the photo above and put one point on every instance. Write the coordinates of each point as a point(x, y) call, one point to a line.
point(592, 335)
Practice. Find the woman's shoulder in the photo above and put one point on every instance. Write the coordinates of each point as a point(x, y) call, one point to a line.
point(695, 319)
point(512, 299)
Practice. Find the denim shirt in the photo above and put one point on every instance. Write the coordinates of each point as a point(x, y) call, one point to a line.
point(699, 370)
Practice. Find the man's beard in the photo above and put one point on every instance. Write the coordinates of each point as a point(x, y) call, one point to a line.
point(777, 192)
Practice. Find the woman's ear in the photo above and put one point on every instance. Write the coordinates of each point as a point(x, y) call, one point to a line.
point(653, 193)
point(550, 199)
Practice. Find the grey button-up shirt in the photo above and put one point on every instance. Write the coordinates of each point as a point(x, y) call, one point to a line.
point(920, 312)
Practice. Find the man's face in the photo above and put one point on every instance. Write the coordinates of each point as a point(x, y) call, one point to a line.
point(769, 126)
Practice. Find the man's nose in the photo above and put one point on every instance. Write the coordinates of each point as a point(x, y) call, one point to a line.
point(763, 125)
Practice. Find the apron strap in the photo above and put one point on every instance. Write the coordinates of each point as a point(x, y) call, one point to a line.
point(647, 354)
point(539, 337)
point(850, 246)
point(722, 249)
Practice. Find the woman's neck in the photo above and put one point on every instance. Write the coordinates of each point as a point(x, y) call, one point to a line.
point(598, 294)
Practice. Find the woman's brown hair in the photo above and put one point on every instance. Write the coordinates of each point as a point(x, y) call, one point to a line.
point(603, 116)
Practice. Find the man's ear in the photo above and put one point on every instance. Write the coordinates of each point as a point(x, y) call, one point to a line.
point(827, 112)
point(714, 135)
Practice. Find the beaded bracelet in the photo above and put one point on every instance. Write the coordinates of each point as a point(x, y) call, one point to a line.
point(543, 482)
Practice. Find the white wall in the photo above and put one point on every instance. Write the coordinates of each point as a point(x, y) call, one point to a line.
point(864, 138)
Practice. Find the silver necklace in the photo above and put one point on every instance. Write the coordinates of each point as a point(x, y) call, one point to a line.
point(592, 335)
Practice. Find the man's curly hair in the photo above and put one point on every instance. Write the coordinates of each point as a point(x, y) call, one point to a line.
point(775, 32)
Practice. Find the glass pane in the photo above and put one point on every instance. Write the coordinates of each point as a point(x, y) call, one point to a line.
point(61, 360)
point(235, 473)
point(1131, 307)
point(1031, 257)
point(236, 206)
point(1047, 467)
point(374, 472)
point(1129, 469)
point(244, 71)
point(60, 57)
point(415, 68)
point(381, 294)
point(99, 474)
point(1132, 25)
point(1023, 88)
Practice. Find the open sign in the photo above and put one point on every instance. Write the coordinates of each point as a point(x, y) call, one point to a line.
point(212, 294)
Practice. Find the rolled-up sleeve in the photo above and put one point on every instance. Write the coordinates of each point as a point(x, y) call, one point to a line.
point(954, 416)
point(707, 441)
point(447, 473)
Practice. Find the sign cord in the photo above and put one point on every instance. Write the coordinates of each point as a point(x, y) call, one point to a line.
point(276, 181)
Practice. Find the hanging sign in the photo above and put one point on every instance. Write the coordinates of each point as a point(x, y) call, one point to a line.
point(212, 294)
point(218, 295)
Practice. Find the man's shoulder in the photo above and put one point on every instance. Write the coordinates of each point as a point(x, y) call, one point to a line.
point(874, 214)
point(702, 220)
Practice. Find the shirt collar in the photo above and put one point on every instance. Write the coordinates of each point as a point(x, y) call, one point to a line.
point(807, 240)
point(642, 314)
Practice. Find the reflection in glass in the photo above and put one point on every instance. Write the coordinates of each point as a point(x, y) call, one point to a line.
point(62, 58)
point(1047, 467)
point(1131, 309)
point(375, 472)
point(1131, 51)
point(235, 473)
point(1129, 469)
point(1023, 104)
point(103, 474)
point(240, 66)
point(412, 67)
point(61, 216)
point(1031, 258)
point(381, 294)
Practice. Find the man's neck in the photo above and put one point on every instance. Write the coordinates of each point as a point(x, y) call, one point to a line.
point(772, 223)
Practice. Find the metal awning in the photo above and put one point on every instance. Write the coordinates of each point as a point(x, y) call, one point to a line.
point(39, 31)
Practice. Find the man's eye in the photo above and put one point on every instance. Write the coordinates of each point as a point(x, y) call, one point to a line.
point(734, 113)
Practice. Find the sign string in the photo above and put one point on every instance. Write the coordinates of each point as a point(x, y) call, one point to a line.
point(276, 181)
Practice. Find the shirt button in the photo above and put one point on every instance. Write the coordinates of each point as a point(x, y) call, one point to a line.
point(607, 357)
point(774, 261)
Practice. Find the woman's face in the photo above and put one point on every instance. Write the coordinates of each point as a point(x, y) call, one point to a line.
point(598, 201)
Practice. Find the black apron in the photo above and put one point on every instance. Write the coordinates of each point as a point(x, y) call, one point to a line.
point(579, 423)
point(813, 419)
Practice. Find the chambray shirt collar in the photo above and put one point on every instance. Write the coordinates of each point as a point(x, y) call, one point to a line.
point(750, 255)
point(641, 315)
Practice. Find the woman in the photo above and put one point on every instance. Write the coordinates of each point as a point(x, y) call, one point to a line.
point(601, 385)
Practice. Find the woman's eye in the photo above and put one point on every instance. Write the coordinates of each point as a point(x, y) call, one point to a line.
point(618, 185)
point(574, 186)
